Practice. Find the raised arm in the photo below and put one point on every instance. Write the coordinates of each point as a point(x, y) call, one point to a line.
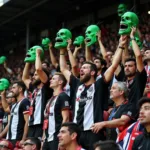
point(76, 51)
point(136, 50)
point(25, 75)
point(88, 54)
point(72, 60)
point(7, 68)
point(63, 65)
point(38, 66)
point(4, 102)
point(116, 60)
point(52, 57)
point(102, 48)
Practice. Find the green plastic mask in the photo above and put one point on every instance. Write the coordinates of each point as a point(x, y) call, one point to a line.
point(2, 59)
point(61, 40)
point(4, 84)
point(122, 8)
point(91, 34)
point(128, 20)
point(138, 41)
point(78, 41)
point(45, 43)
point(31, 54)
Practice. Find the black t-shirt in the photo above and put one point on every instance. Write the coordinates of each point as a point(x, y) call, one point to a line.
point(88, 102)
point(116, 113)
point(136, 86)
point(53, 112)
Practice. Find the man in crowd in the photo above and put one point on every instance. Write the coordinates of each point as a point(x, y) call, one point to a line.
point(142, 142)
point(19, 115)
point(69, 135)
point(39, 86)
point(6, 145)
point(32, 143)
point(121, 115)
point(90, 97)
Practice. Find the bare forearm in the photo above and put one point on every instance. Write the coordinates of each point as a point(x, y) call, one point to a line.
point(38, 64)
point(103, 50)
point(63, 64)
point(52, 58)
point(5, 104)
point(25, 131)
point(88, 54)
point(114, 123)
point(26, 71)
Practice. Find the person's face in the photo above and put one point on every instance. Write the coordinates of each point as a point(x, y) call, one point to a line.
point(64, 137)
point(109, 55)
point(115, 92)
point(29, 145)
point(44, 65)
point(36, 79)
point(4, 145)
point(98, 64)
point(144, 114)
point(85, 73)
point(55, 81)
point(130, 68)
point(15, 90)
point(147, 55)
point(10, 98)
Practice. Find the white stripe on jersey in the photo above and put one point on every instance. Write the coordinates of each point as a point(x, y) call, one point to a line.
point(88, 108)
point(15, 120)
point(51, 123)
point(38, 107)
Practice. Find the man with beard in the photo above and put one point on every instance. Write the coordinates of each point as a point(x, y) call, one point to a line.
point(90, 97)
point(134, 72)
point(39, 86)
point(19, 115)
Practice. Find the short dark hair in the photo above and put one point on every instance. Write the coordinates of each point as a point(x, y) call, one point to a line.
point(103, 62)
point(142, 101)
point(130, 59)
point(21, 84)
point(62, 77)
point(36, 141)
point(93, 67)
point(105, 145)
point(73, 127)
point(45, 62)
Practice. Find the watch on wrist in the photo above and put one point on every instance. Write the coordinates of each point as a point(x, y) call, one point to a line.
point(132, 38)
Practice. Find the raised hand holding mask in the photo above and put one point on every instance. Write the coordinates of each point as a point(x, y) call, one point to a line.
point(63, 35)
point(4, 84)
point(91, 34)
point(2, 59)
point(45, 43)
point(138, 41)
point(122, 8)
point(78, 41)
point(128, 20)
point(31, 54)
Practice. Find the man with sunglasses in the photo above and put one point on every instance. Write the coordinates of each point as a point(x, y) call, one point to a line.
point(32, 143)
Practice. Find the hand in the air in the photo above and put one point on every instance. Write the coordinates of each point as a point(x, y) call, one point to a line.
point(133, 31)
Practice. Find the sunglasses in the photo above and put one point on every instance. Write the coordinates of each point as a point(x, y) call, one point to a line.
point(28, 143)
point(4, 146)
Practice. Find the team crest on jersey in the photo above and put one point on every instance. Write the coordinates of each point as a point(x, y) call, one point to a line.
point(66, 103)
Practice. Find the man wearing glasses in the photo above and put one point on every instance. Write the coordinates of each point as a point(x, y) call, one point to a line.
point(32, 143)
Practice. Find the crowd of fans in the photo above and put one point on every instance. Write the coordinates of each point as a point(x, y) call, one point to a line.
point(80, 98)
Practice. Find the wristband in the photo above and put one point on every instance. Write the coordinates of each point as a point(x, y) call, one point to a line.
point(121, 47)
point(132, 39)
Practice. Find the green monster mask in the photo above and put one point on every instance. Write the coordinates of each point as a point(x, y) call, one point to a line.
point(45, 43)
point(4, 84)
point(31, 54)
point(78, 41)
point(138, 41)
point(122, 8)
point(61, 40)
point(128, 20)
point(2, 59)
point(91, 34)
